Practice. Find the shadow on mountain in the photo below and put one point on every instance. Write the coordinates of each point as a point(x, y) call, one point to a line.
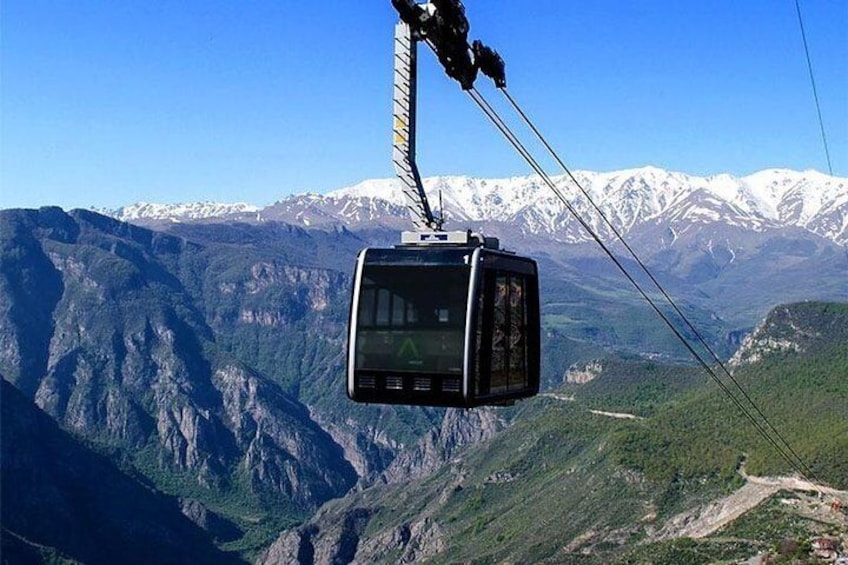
point(62, 500)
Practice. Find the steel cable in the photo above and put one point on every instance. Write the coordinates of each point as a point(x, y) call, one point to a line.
point(797, 464)
point(651, 276)
point(813, 83)
point(506, 131)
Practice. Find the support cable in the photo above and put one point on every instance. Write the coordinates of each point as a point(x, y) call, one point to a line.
point(699, 337)
point(495, 118)
point(813, 83)
point(505, 130)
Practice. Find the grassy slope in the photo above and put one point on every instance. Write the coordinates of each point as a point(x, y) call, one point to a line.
point(804, 395)
point(565, 485)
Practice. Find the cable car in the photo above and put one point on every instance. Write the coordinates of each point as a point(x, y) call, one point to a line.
point(453, 321)
point(445, 318)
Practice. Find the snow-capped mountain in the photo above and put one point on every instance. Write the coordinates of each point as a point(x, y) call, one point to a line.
point(735, 246)
point(630, 199)
point(179, 212)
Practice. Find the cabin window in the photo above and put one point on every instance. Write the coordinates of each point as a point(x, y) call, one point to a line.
point(412, 319)
point(502, 344)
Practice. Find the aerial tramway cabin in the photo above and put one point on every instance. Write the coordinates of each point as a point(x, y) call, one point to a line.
point(444, 318)
point(450, 323)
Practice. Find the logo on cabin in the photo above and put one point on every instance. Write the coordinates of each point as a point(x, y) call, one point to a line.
point(409, 352)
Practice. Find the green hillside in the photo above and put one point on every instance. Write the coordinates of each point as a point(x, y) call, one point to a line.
point(564, 484)
point(803, 393)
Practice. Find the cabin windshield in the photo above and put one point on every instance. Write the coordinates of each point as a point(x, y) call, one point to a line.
point(412, 319)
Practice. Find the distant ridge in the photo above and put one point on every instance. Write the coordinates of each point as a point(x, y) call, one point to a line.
point(177, 212)
point(773, 198)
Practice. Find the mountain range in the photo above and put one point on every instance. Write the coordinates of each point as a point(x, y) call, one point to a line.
point(725, 246)
point(202, 361)
point(630, 199)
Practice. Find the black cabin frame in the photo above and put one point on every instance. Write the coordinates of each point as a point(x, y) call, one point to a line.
point(443, 326)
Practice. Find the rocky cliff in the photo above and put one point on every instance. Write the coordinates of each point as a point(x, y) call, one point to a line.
point(104, 329)
point(338, 536)
point(59, 501)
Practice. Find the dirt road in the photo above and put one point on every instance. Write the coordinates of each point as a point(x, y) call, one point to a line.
point(706, 520)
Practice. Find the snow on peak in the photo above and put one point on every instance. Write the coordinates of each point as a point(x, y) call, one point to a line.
point(627, 197)
point(180, 212)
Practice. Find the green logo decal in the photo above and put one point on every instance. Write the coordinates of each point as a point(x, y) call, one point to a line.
point(409, 351)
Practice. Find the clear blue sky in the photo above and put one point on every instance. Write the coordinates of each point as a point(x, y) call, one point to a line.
point(106, 103)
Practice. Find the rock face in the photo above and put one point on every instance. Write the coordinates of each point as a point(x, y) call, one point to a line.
point(219, 528)
point(282, 447)
point(334, 536)
point(414, 542)
point(340, 539)
point(370, 450)
point(796, 328)
point(70, 506)
point(582, 374)
point(102, 330)
point(459, 429)
point(334, 543)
